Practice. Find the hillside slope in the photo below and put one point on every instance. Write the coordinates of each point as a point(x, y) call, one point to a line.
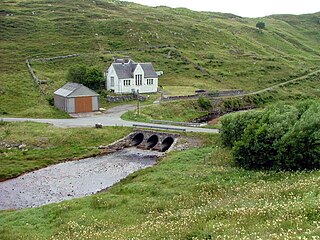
point(194, 49)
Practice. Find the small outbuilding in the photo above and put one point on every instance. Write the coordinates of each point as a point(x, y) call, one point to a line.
point(76, 98)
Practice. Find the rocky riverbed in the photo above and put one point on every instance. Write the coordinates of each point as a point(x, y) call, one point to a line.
point(73, 179)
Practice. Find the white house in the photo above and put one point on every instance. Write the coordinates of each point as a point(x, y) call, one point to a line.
point(126, 76)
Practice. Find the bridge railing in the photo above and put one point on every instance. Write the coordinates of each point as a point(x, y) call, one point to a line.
point(159, 127)
point(177, 123)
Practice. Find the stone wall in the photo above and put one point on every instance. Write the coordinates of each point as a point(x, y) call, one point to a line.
point(225, 93)
point(54, 58)
point(33, 75)
point(123, 98)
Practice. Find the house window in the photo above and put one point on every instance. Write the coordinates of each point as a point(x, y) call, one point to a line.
point(149, 81)
point(126, 83)
point(112, 81)
point(138, 79)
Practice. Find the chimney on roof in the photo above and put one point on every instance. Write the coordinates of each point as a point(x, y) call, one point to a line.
point(126, 59)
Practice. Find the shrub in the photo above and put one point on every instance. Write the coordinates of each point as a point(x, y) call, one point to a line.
point(88, 76)
point(281, 138)
point(204, 103)
point(234, 126)
point(3, 112)
point(50, 100)
point(261, 25)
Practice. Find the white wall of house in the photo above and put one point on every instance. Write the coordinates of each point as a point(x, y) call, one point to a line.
point(112, 74)
point(149, 85)
point(138, 82)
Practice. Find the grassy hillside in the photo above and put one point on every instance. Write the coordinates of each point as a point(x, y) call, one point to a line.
point(196, 50)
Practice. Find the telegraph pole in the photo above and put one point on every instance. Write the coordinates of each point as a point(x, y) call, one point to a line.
point(138, 103)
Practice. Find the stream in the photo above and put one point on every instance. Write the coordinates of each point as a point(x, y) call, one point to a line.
point(73, 179)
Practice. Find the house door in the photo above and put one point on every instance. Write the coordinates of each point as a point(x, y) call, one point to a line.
point(83, 104)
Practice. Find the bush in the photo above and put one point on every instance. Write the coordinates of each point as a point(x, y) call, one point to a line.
point(261, 25)
point(77, 74)
point(88, 76)
point(204, 103)
point(281, 138)
point(50, 100)
point(234, 126)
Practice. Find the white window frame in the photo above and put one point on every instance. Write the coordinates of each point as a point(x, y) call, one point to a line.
point(138, 79)
point(126, 83)
point(150, 81)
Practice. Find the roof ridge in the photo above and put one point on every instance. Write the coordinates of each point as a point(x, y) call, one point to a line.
point(75, 88)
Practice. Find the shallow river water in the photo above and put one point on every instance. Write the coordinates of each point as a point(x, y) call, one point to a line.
point(73, 179)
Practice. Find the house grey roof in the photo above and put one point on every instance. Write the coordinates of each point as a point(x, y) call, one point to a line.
point(126, 70)
point(149, 71)
point(75, 89)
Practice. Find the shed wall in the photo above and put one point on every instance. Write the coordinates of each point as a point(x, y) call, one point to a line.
point(60, 102)
point(95, 103)
point(70, 105)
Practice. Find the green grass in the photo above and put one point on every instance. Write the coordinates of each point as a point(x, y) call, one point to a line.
point(200, 50)
point(48, 145)
point(179, 90)
point(194, 194)
point(178, 111)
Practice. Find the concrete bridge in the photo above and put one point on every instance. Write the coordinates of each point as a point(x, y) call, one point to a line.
point(159, 141)
point(145, 139)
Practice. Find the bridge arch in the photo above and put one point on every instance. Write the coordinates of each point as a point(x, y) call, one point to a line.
point(137, 139)
point(166, 144)
point(152, 141)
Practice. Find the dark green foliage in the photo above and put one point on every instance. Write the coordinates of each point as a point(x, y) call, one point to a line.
point(235, 124)
point(77, 74)
point(205, 103)
point(2, 112)
point(261, 25)
point(90, 77)
point(236, 103)
point(94, 78)
point(50, 100)
point(281, 138)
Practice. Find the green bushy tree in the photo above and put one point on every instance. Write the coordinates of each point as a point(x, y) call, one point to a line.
point(88, 76)
point(261, 25)
point(204, 103)
point(77, 74)
point(234, 126)
point(281, 138)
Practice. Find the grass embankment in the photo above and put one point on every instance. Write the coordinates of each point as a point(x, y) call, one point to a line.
point(200, 50)
point(46, 145)
point(178, 111)
point(193, 194)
